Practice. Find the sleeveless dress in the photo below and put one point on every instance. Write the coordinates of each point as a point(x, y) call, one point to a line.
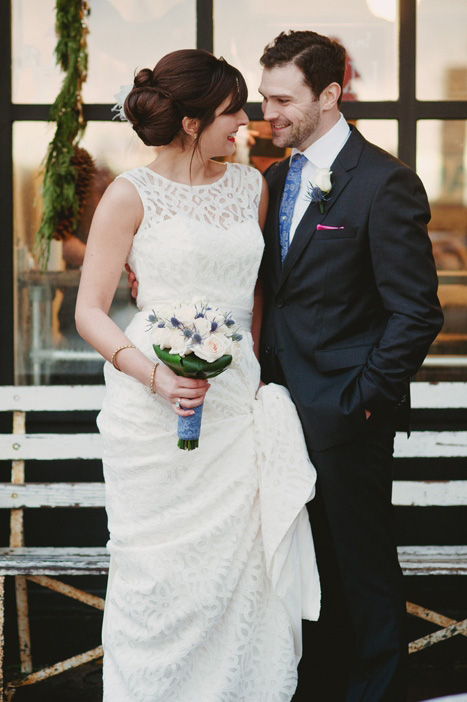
point(212, 558)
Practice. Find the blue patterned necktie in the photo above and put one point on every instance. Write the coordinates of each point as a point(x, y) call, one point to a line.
point(291, 188)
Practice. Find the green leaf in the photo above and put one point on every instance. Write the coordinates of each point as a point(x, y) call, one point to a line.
point(191, 366)
point(172, 360)
point(195, 367)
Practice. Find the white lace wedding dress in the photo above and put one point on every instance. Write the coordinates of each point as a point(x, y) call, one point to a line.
point(212, 560)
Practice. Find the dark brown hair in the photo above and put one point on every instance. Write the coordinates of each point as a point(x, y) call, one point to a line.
point(184, 83)
point(321, 59)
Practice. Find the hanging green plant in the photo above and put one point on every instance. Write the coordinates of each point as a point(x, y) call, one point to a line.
point(62, 199)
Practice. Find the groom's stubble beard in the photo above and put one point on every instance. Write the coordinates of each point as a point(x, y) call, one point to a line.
point(300, 133)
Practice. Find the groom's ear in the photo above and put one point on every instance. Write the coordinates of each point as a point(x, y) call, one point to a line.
point(329, 97)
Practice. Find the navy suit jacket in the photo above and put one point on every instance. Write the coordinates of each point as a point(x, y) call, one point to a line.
point(350, 315)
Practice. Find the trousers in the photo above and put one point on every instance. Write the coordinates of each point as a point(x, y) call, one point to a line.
point(357, 651)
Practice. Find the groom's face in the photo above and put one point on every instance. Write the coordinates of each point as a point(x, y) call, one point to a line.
point(290, 107)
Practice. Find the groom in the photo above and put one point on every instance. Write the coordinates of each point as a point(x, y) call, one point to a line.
point(350, 312)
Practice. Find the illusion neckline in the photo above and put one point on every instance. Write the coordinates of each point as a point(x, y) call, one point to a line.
point(185, 185)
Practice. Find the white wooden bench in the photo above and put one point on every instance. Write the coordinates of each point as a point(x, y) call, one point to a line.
point(43, 565)
point(434, 560)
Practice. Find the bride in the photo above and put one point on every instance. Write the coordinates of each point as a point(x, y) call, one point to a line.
point(212, 560)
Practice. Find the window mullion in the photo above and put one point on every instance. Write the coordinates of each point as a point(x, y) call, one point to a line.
point(407, 82)
point(205, 25)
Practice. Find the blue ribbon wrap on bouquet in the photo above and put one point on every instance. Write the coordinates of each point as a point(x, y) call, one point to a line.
point(190, 366)
point(189, 428)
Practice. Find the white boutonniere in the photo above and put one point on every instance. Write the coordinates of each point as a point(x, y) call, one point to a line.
point(320, 187)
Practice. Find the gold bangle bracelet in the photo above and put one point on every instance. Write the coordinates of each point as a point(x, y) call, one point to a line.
point(153, 375)
point(114, 355)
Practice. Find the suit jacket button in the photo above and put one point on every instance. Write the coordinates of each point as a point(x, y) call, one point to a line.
point(280, 303)
point(267, 350)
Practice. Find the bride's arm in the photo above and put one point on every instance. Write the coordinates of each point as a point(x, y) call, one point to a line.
point(258, 298)
point(115, 222)
point(116, 219)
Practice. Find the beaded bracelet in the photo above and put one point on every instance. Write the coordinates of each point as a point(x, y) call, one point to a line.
point(153, 374)
point(114, 355)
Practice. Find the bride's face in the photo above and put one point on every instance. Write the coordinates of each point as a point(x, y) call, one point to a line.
point(219, 138)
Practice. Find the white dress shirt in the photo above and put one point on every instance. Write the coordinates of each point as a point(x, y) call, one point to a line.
point(321, 154)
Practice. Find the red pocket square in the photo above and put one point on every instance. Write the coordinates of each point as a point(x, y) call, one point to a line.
point(323, 226)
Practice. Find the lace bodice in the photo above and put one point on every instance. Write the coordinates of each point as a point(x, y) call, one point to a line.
point(203, 241)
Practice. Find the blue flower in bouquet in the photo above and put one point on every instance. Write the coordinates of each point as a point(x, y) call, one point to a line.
point(195, 341)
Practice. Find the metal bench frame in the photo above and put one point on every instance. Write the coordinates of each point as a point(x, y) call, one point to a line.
point(43, 565)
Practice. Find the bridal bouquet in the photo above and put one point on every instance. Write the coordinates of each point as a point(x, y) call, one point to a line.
point(195, 341)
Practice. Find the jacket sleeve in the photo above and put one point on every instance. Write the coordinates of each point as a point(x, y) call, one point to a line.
point(406, 280)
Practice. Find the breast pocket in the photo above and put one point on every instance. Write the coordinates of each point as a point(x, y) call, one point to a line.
point(331, 234)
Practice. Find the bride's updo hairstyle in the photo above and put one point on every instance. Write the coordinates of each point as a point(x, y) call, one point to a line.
point(185, 83)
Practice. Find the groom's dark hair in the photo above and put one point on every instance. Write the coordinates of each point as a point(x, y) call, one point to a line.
point(321, 59)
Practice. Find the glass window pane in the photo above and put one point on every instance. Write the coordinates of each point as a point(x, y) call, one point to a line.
point(442, 165)
point(35, 75)
point(48, 348)
point(441, 50)
point(368, 30)
point(382, 132)
point(123, 35)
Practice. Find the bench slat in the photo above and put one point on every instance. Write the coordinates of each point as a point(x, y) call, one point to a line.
point(417, 493)
point(54, 561)
point(50, 447)
point(438, 395)
point(89, 397)
point(422, 444)
point(415, 560)
point(433, 560)
point(429, 493)
point(53, 398)
point(14, 496)
point(431, 444)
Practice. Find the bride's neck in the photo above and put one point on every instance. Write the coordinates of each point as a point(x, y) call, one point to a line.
point(182, 166)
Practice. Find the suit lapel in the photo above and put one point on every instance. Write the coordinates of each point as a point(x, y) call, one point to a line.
point(345, 161)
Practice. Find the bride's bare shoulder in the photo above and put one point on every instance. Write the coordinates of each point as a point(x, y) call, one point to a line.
point(122, 195)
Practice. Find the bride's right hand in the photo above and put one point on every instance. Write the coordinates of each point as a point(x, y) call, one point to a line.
point(188, 392)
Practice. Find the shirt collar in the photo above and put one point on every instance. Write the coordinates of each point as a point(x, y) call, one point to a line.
point(323, 151)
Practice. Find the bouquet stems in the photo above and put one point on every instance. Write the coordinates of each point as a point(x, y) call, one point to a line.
point(188, 444)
